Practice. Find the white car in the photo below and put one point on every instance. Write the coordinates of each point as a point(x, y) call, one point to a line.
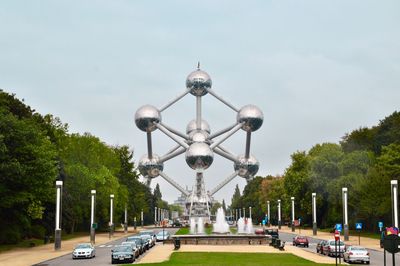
point(356, 254)
point(84, 250)
point(161, 237)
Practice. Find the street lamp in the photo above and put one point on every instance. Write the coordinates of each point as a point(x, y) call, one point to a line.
point(292, 199)
point(57, 238)
point(111, 215)
point(279, 214)
point(155, 216)
point(268, 213)
point(92, 211)
point(126, 220)
point(141, 217)
point(250, 212)
point(394, 192)
point(314, 212)
point(345, 214)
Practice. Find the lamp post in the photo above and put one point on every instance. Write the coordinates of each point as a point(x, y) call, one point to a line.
point(111, 216)
point(92, 211)
point(57, 238)
point(159, 214)
point(141, 217)
point(292, 199)
point(250, 212)
point(244, 213)
point(240, 213)
point(279, 214)
point(155, 216)
point(126, 220)
point(394, 192)
point(268, 213)
point(345, 214)
point(314, 212)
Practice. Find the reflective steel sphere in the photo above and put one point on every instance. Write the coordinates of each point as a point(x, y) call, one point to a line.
point(246, 168)
point(198, 82)
point(150, 167)
point(198, 136)
point(192, 126)
point(252, 117)
point(146, 117)
point(199, 156)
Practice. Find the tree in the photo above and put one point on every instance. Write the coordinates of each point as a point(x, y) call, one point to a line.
point(235, 201)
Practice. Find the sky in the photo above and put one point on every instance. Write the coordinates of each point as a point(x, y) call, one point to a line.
point(317, 69)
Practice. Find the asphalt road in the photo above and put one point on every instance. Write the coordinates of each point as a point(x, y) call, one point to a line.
point(103, 255)
point(376, 257)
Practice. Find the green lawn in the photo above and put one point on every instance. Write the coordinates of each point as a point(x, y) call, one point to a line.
point(224, 258)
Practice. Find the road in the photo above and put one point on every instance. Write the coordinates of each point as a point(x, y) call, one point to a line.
point(375, 256)
point(103, 255)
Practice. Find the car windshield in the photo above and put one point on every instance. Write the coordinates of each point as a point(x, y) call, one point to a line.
point(161, 233)
point(332, 243)
point(358, 248)
point(83, 246)
point(127, 243)
point(146, 236)
point(146, 233)
point(133, 238)
point(122, 249)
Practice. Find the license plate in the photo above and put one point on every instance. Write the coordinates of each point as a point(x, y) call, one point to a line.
point(121, 258)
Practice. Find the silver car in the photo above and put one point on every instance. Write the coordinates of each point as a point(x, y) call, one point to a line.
point(84, 250)
point(330, 250)
point(356, 254)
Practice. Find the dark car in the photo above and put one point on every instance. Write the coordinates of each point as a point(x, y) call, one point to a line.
point(320, 246)
point(139, 242)
point(122, 254)
point(300, 241)
point(176, 223)
point(152, 234)
point(148, 241)
point(274, 233)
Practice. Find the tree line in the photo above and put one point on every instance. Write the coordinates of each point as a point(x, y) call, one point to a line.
point(364, 161)
point(36, 150)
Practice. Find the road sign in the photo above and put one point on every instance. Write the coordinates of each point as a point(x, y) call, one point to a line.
point(339, 227)
point(266, 218)
point(380, 225)
point(358, 226)
point(391, 243)
point(337, 235)
point(263, 222)
point(94, 226)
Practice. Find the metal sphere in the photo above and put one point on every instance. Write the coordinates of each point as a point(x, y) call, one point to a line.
point(198, 136)
point(193, 126)
point(146, 117)
point(252, 116)
point(199, 82)
point(246, 168)
point(199, 156)
point(150, 167)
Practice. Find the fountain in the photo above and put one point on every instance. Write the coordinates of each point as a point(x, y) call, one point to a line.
point(196, 227)
point(221, 226)
point(200, 226)
point(249, 227)
point(240, 225)
point(192, 226)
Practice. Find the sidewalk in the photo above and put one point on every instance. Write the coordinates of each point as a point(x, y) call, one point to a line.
point(34, 255)
point(353, 240)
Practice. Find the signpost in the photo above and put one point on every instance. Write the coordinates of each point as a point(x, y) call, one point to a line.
point(339, 227)
point(380, 225)
point(337, 238)
point(359, 228)
point(391, 244)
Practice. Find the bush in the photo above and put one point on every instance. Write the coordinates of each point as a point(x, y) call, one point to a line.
point(37, 231)
point(10, 235)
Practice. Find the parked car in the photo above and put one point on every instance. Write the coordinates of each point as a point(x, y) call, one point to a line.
point(135, 248)
point(272, 232)
point(122, 254)
point(329, 248)
point(176, 223)
point(148, 240)
point(320, 246)
point(84, 250)
point(356, 254)
point(161, 236)
point(139, 242)
point(300, 241)
point(151, 233)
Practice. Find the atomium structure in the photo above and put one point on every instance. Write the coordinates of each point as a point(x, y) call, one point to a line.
point(199, 144)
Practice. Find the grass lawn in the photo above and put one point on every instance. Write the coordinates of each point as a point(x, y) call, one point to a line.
point(224, 258)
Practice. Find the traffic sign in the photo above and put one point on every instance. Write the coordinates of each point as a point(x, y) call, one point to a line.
point(358, 226)
point(391, 243)
point(339, 227)
point(263, 222)
point(380, 225)
point(337, 235)
point(94, 225)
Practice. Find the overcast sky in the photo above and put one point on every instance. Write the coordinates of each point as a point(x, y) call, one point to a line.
point(317, 69)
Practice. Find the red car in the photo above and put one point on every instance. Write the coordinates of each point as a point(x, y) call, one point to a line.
point(300, 241)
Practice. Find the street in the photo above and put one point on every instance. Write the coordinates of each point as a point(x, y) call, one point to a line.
point(103, 254)
point(375, 256)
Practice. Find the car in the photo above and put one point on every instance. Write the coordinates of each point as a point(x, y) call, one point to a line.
point(163, 235)
point(122, 254)
point(329, 248)
point(320, 246)
point(300, 241)
point(151, 233)
point(148, 240)
point(274, 233)
point(176, 223)
point(139, 242)
point(356, 254)
point(84, 250)
point(135, 248)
